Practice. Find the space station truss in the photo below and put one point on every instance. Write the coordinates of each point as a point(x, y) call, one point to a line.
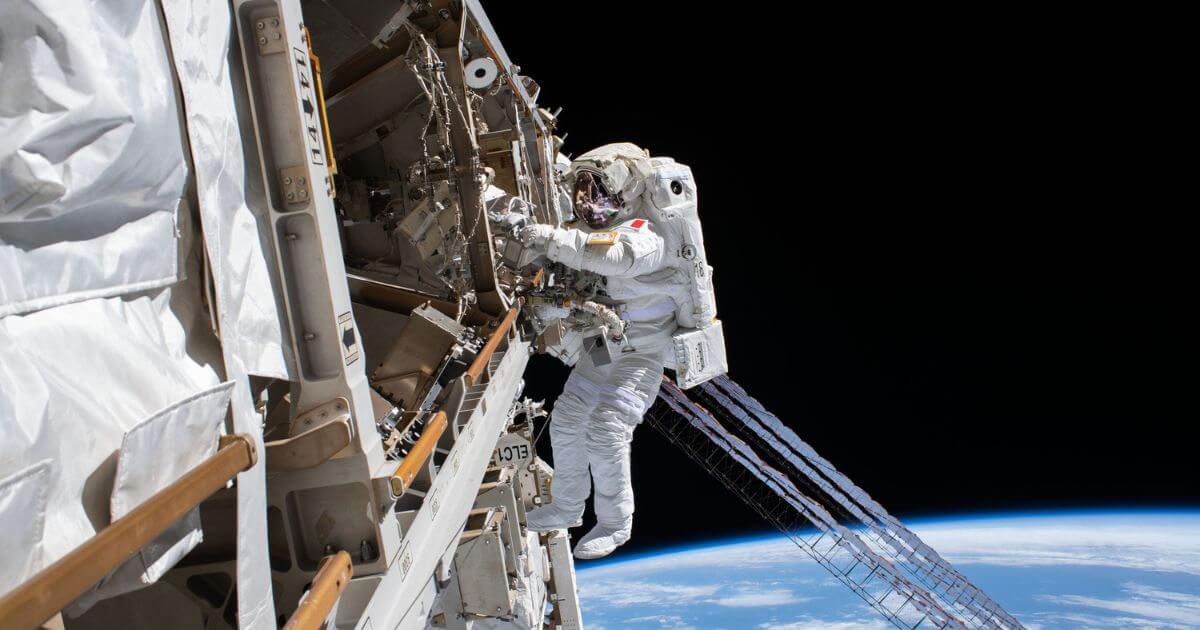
point(834, 521)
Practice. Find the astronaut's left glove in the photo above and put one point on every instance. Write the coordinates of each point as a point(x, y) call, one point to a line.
point(537, 236)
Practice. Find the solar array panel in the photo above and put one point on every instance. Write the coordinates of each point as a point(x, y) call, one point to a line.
point(821, 510)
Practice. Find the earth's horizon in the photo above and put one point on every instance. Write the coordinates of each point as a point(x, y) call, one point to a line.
point(1113, 568)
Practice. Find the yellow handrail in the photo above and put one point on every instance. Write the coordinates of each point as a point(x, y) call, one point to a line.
point(327, 586)
point(489, 348)
point(411, 464)
point(43, 595)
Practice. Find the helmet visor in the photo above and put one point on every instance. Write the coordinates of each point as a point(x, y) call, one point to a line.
point(594, 204)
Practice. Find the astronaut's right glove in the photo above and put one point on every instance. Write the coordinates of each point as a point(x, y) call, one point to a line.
point(537, 236)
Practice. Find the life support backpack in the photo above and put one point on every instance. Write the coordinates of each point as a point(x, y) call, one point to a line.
point(698, 347)
point(671, 207)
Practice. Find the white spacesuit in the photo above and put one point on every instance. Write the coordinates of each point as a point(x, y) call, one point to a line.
point(629, 230)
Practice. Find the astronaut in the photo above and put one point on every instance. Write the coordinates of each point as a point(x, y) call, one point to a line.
point(629, 230)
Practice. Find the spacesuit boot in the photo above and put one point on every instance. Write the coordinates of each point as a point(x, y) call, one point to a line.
point(551, 517)
point(601, 541)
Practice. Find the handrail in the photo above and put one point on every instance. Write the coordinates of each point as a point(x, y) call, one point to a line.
point(327, 586)
point(402, 479)
point(51, 589)
point(489, 348)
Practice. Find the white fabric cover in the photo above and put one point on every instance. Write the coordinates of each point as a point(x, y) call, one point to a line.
point(100, 325)
point(206, 55)
point(75, 378)
point(228, 182)
point(22, 521)
point(154, 454)
point(92, 166)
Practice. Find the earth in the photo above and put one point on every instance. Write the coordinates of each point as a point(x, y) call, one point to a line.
point(1069, 570)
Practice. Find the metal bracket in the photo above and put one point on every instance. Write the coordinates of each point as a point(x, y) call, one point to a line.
point(311, 448)
point(296, 187)
point(268, 34)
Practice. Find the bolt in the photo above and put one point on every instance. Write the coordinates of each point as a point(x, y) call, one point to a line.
point(291, 236)
point(303, 194)
point(275, 22)
point(287, 180)
point(261, 26)
point(300, 181)
point(291, 196)
point(262, 41)
point(310, 336)
point(276, 36)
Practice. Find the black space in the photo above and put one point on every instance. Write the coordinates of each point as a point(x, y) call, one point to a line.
point(947, 248)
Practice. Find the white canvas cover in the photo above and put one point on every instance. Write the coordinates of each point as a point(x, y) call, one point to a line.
point(103, 312)
point(73, 380)
point(206, 55)
point(154, 454)
point(92, 165)
point(22, 519)
point(229, 193)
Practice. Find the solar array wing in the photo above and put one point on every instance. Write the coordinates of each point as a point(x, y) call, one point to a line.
point(805, 521)
point(820, 509)
point(889, 535)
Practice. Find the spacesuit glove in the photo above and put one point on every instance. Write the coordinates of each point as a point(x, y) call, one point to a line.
point(511, 223)
point(537, 236)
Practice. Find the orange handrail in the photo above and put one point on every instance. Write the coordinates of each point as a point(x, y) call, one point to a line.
point(41, 596)
point(411, 464)
point(327, 586)
point(489, 348)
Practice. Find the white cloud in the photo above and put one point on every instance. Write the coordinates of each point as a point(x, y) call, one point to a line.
point(664, 621)
point(1141, 605)
point(1106, 540)
point(809, 623)
point(747, 598)
point(632, 593)
point(745, 555)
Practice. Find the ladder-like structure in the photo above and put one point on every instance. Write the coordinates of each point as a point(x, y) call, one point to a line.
point(834, 521)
